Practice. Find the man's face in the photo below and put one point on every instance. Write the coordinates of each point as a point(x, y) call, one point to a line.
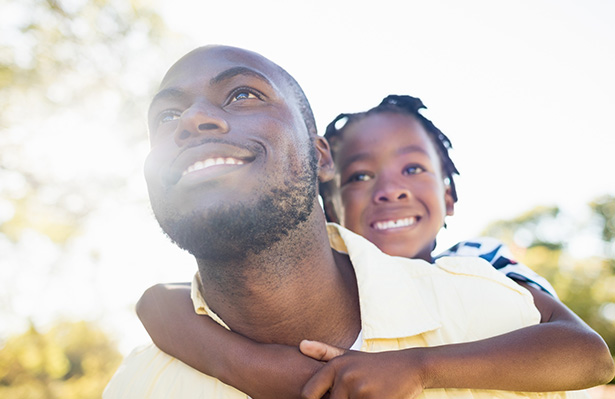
point(231, 167)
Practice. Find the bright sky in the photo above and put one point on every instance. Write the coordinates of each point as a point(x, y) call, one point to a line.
point(523, 88)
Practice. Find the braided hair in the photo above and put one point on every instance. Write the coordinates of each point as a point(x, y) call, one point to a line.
point(396, 104)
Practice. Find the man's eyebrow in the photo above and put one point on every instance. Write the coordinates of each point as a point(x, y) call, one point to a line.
point(166, 94)
point(173, 93)
point(239, 70)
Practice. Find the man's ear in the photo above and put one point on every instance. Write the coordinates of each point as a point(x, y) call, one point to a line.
point(326, 168)
point(449, 202)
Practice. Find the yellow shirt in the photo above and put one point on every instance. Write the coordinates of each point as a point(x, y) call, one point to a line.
point(404, 303)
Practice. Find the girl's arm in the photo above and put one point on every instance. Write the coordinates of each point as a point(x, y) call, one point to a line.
point(562, 353)
point(259, 370)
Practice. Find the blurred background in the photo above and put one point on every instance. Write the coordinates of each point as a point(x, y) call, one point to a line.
point(524, 90)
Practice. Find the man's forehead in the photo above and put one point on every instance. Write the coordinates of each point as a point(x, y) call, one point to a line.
point(210, 68)
point(211, 61)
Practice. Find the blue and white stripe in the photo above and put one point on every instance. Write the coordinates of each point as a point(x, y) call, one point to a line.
point(498, 254)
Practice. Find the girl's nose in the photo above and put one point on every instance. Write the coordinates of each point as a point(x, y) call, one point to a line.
point(391, 193)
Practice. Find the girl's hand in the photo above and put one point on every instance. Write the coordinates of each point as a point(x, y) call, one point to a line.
point(351, 374)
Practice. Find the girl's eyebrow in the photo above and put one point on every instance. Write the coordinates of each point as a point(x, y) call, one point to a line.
point(412, 148)
point(361, 156)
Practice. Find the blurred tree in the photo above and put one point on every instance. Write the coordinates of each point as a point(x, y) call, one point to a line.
point(547, 240)
point(75, 76)
point(65, 64)
point(71, 361)
point(604, 209)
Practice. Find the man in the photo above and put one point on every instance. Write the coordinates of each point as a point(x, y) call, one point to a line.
point(232, 177)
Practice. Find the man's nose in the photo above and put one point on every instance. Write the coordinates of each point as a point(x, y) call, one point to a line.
point(198, 120)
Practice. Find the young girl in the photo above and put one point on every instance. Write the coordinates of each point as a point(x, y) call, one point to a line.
point(394, 185)
point(363, 142)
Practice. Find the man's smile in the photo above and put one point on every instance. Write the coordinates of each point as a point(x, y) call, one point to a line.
point(210, 162)
point(211, 167)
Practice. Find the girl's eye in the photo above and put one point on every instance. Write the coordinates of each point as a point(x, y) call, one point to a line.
point(413, 170)
point(168, 116)
point(244, 94)
point(357, 177)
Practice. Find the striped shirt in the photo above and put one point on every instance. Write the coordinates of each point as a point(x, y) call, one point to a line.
point(500, 257)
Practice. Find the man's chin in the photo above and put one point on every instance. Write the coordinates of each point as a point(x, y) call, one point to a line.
point(206, 236)
point(231, 233)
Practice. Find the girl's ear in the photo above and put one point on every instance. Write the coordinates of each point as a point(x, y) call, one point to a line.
point(326, 168)
point(449, 202)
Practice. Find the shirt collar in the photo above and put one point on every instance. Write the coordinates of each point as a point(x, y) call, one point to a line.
point(200, 306)
point(393, 301)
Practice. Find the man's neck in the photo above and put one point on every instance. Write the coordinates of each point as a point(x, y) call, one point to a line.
point(298, 289)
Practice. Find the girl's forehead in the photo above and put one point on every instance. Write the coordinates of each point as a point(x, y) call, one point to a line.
point(383, 138)
point(373, 131)
point(384, 121)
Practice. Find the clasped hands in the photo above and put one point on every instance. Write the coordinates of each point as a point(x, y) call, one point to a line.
point(348, 374)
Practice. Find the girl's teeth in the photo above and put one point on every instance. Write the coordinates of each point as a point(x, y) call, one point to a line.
point(392, 224)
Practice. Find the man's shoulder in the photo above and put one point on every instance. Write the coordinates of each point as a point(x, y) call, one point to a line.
point(471, 273)
point(370, 262)
point(466, 265)
point(147, 372)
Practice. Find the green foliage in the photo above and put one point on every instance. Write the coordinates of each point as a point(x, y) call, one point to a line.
point(53, 45)
point(542, 239)
point(604, 209)
point(74, 78)
point(530, 228)
point(67, 67)
point(71, 361)
point(54, 222)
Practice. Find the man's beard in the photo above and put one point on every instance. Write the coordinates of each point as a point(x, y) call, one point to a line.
point(231, 232)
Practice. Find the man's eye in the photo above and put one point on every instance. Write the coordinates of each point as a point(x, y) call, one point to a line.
point(168, 116)
point(413, 170)
point(243, 94)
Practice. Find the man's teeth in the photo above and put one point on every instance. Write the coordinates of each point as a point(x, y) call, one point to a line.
point(212, 162)
point(392, 224)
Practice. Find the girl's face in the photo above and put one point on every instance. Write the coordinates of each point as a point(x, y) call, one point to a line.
point(392, 189)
